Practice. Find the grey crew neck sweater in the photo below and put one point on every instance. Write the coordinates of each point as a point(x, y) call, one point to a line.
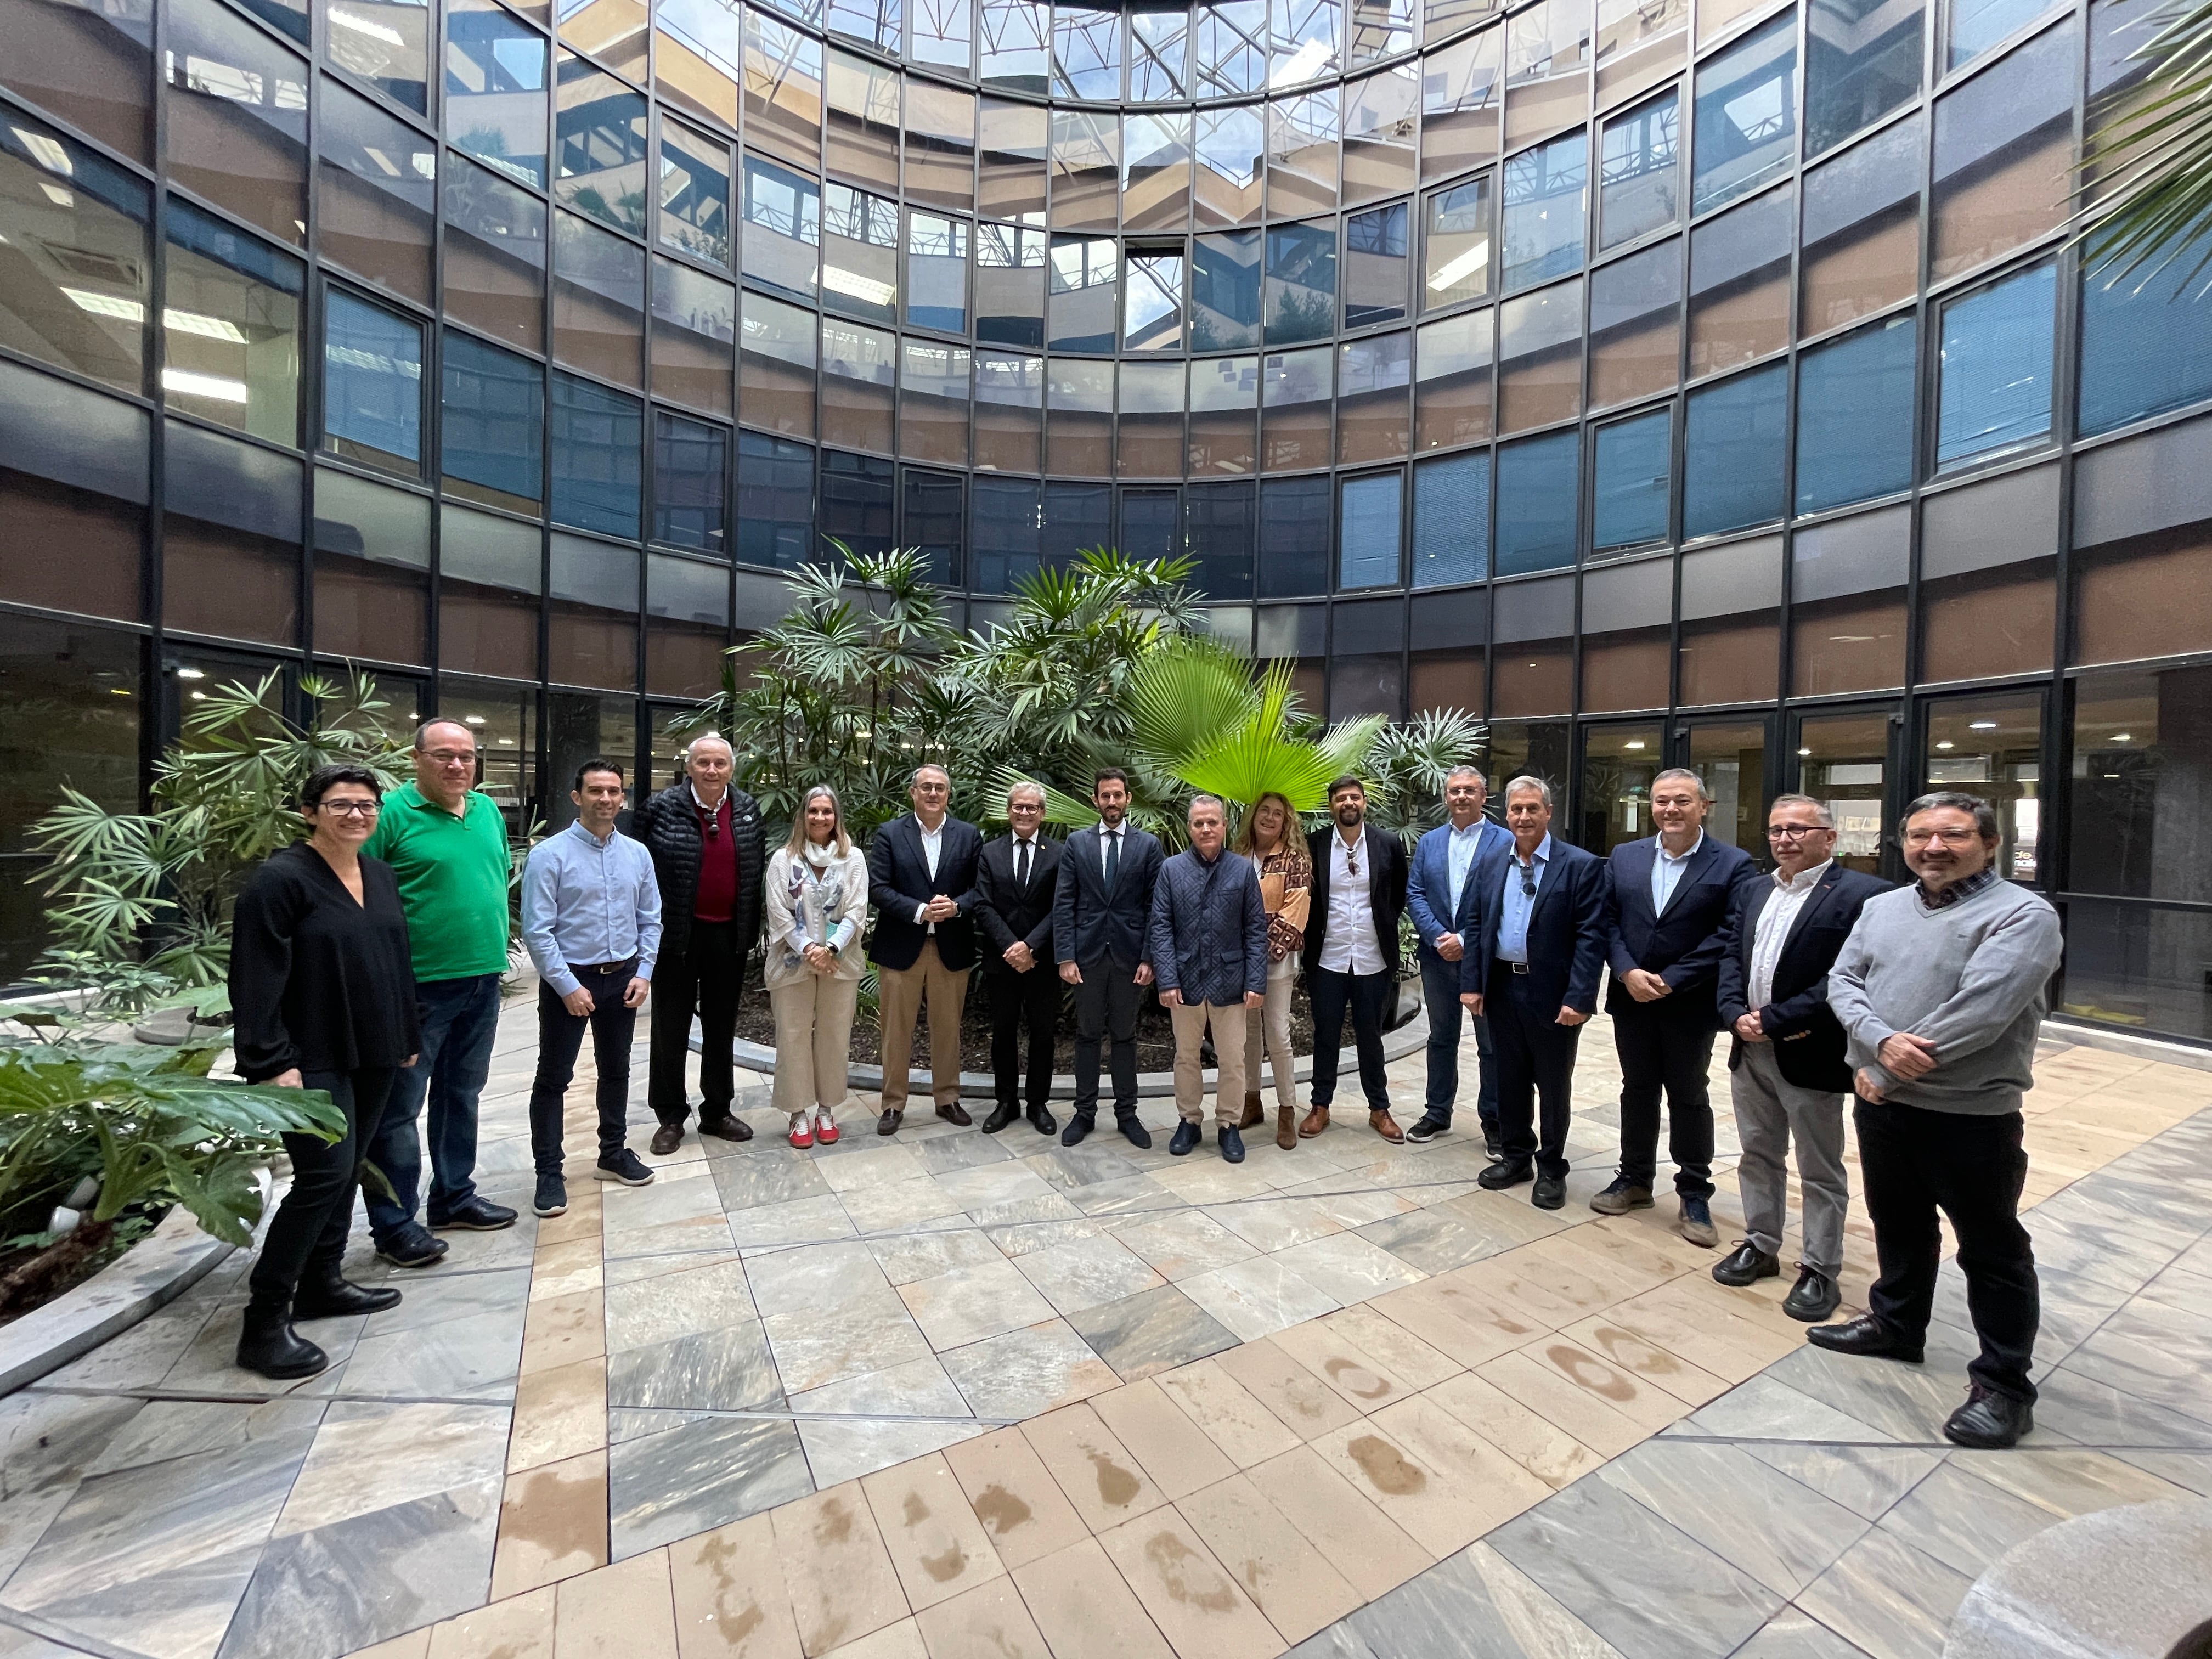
point(1973, 978)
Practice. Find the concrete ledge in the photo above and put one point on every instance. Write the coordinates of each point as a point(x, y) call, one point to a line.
point(2133, 1044)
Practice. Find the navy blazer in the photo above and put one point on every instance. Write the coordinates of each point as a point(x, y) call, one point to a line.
point(1089, 925)
point(1568, 927)
point(1808, 1038)
point(1385, 890)
point(899, 880)
point(1428, 886)
point(1683, 947)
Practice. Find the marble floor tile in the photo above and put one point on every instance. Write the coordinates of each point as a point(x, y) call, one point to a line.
point(2159, 1353)
point(2065, 1483)
point(1086, 1272)
point(1084, 1609)
point(1228, 1412)
point(1406, 1355)
point(370, 1456)
point(1275, 1223)
point(899, 1204)
point(920, 1388)
point(1300, 1401)
point(1339, 1640)
point(684, 1193)
point(558, 1413)
point(1764, 1523)
point(576, 1264)
point(968, 1304)
point(1328, 1350)
point(1537, 1445)
point(1893, 1601)
point(728, 1594)
point(1348, 1268)
point(1436, 1240)
point(1015, 1498)
point(1100, 1161)
point(1628, 1350)
point(476, 1357)
point(942, 1154)
point(1016, 1211)
point(1963, 1521)
point(1795, 1634)
point(816, 1276)
point(1128, 1196)
point(1199, 1606)
point(839, 1450)
point(560, 1330)
point(700, 1474)
point(1170, 1448)
point(1180, 1244)
point(1589, 1403)
point(1150, 1331)
point(938, 1546)
point(980, 1186)
point(800, 1221)
point(816, 1348)
point(2095, 1414)
point(520, 1627)
point(552, 1525)
point(1292, 1583)
point(622, 1612)
point(1475, 1605)
point(906, 1257)
point(1027, 1372)
point(728, 1369)
point(1865, 1480)
point(209, 1365)
point(836, 1569)
point(762, 1175)
point(1474, 1486)
point(1258, 1297)
point(990, 1621)
point(677, 1304)
point(1764, 1409)
point(858, 1166)
point(1017, 1239)
point(432, 1298)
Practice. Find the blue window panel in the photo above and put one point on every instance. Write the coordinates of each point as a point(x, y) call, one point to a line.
point(1301, 282)
point(1539, 503)
point(1225, 291)
point(1151, 523)
point(1854, 398)
point(1219, 524)
point(1861, 61)
point(1978, 25)
point(1747, 117)
point(371, 383)
point(1733, 451)
point(1369, 530)
point(936, 522)
point(690, 501)
point(1451, 519)
point(597, 436)
point(1547, 194)
point(1077, 517)
point(1008, 534)
point(495, 91)
point(1294, 527)
point(1633, 464)
point(775, 481)
point(494, 419)
point(857, 502)
point(2146, 342)
point(1995, 393)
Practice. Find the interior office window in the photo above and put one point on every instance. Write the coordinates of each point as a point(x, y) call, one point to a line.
point(1007, 535)
point(1994, 389)
point(1295, 521)
point(2146, 341)
point(1159, 51)
point(1632, 471)
point(1076, 517)
point(1636, 324)
point(687, 606)
point(858, 501)
point(371, 384)
point(1014, 50)
point(600, 130)
point(1861, 61)
point(1547, 59)
point(1862, 229)
point(1226, 288)
point(1546, 193)
point(73, 256)
point(940, 146)
point(493, 436)
point(1460, 89)
point(1739, 285)
point(495, 85)
point(694, 193)
point(1746, 132)
point(860, 377)
point(1079, 428)
point(1149, 435)
point(1639, 187)
point(1456, 243)
point(378, 180)
point(1087, 54)
point(1978, 25)
point(1086, 170)
point(775, 481)
point(690, 498)
point(694, 322)
point(1016, 141)
point(2002, 144)
point(1451, 520)
point(1082, 279)
point(862, 103)
point(92, 65)
point(230, 327)
point(1224, 400)
point(1372, 378)
point(2139, 758)
point(491, 574)
point(1855, 427)
point(1379, 119)
point(776, 357)
point(1152, 301)
point(237, 118)
point(1375, 266)
point(372, 570)
point(1381, 28)
point(1303, 138)
point(781, 240)
point(1308, 39)
point(1152, 525)
point(782, 89)
point(75, 477)
point(596, 438)
point(1540, 357)
point(1232, 48)
point(859, 253)
point(1368, 531)
point(1220, 523)
point(230, 538)
point(1734, 438)
point(1228, 146)
point(1156, 175)
point(1295, 411)
point(702, 56)
point(1009, 412)
point(598, 299)
point(1010, 284)
point(933, 518)
point(934, 402)
point(494, 275)
point(1301, 296)
point(1639, 43)
point(1539, 503)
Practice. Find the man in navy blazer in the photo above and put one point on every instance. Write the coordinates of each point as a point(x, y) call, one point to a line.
point(1544, 912)
point(922, 879)
point(1440, 896)
point(1671, 898)
point(1101, 919)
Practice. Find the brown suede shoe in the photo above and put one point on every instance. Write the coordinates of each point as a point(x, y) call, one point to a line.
point(1286, 1127)
point(1254, 1113)
point(667, 1139)
point(1386, 1125)
point(1316, 1121)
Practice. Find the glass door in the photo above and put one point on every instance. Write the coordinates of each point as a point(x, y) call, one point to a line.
point(1618, 764)
point(1730, 755)
point(504, 717)
point(1991, 744)
point(1843, 761)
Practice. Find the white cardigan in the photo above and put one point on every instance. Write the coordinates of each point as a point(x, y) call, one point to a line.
point(848, 911)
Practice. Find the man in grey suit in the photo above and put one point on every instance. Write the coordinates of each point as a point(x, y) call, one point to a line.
point(1101, 915)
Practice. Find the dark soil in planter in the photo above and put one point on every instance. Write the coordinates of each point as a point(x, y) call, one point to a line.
point(33, 1274)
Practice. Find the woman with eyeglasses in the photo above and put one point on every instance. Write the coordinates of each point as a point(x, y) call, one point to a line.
point(816, 905)
point(1268, 838)
point(322, 997)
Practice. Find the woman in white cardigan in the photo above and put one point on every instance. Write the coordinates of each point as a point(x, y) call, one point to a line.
point(816, 905)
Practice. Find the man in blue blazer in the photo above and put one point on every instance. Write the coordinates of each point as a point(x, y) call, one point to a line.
point(1544, 913)
point(1101, 919)
point(1672, 897)
point(922, 879)
point(1441, 898)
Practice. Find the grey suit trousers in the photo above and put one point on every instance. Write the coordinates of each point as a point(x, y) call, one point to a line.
point(1771, 1112)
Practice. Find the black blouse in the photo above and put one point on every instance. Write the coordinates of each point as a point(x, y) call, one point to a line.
point(317, 981)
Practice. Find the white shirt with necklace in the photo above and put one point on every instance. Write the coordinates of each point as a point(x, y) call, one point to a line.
point(1350, 945)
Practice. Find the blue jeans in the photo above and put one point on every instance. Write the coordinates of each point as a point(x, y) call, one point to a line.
point(1440, 997)
point(459, 1017)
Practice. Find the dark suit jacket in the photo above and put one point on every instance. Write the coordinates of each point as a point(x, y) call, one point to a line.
point(1381, 852)
point(1683, 947)
point(1089, 925)
point(1809, 1041)
point(899, 879)
point(1567, 929)
point(1009, 913)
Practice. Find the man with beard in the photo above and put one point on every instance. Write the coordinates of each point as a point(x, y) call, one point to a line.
point(1102, 914)
point(1352, 951)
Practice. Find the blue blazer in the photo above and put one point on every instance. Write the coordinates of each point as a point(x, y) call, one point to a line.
point(1428, 888)
point(899, 879)
point(1684, 946)
point(1089, 924)
point(1568, 928)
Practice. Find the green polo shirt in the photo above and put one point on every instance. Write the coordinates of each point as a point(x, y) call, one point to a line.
point(452, 881)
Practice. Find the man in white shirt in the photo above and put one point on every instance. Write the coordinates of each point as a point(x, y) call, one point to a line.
point(1444, 902)
point(922, 879)
point(1352, 951)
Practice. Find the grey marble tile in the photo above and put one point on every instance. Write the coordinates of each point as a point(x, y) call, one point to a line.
point(724, 1370)
point(1025, 1373)
point(899, 1205)
point(2155, 1352)
point(1133, 1195)
point(371, 1456)
point(429, 1298)
point(942, 1154)
point(209, 1364)
point(838, 1451)
point(1258, 1297)
point(476, 1357)
point(1474, 1605)
point(2094, 1413)
point(1864, 1479)
point(1756, 1517)
point(17, 1644)
point(1181, 1243)
point(920, 1388)
point(2065, 1482)
point(1964, 1520)
point(1906, 1402)
point(820, 1277)
point(708, 1298)
point(1893, 1601)
point(981, 1185)
point(2190, 1469)
point(1019, 1239)
point(1103, 1159)
point(1086, 1272)
point(635, 1425)
point(138, 1357)
point(1339, 1640)
point(50, 1440)
point(1764, 1409)
point(969, 1303)
point(819, 1219)
point(906, 1257)
point(1155, 1330)
point(1795, 1634)
point(1015, 1211)
point(814, 1348)
point(698, 1476)
point(1436, 1240)
point(766, 1175)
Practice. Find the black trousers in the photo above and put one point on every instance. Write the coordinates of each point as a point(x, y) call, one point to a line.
point(1535, 1063)
point(1369, 995)
point(560, 1036)
point(706, 976)
point(1662, 1050)
point(1106, 1006)
point(1914, 1162)
point(1023, 1002)
point(308, 1233)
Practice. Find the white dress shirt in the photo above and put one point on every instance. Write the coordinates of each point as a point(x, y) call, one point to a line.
point(1024, 860)
point(1350, 946)
point(1775, 921)
point(1666, 871)
point(932, 842)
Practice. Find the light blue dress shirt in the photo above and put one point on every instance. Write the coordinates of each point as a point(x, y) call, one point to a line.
point(1666, 871)
point(589, 901)
point(1513, 914)
point(1463, 847)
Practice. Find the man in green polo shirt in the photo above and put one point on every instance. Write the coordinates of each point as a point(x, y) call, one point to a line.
point(446, 844)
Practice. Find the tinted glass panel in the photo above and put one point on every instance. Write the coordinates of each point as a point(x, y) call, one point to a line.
point(495, 417)
point(1862, 229)
point(596, 434)
point(1994, 389)
point(1369, 531)
point(1636, 324)
point(783, 225)
point(1539, 492)
point(694, 193)
point(1733, 445)
point(372, 384)
point(73, 256)
point(598, 299)
point(1861, 61)
point(2002, 144)
point(598, 147)
point(495, 90)
point(1375, 266)
point(379, 192)
point(1225, 291)
point(1294, 530)
point(495, 255)
point(91, 61)
point(1456, 243)
point(230, 328)
point(1638, 186)
point(1544, 192)
point(1746, 115)
point(1219, 524)
point(775, 481)
point(690, 504)
point(1633, 462)
point(1301, 283)
point(2146, 341)
point(1451, 519)
point(1854, 398)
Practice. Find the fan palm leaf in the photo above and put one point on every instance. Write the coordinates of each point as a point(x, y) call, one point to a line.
point(1060, 808)
point(2144, 194)
point(1186, 695)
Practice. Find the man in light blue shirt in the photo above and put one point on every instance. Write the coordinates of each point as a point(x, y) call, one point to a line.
point(591, 918)
point(1445, 903)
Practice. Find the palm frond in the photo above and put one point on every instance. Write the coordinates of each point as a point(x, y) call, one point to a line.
point(1186, 694)
point(1060, 808)
point(2143, 191)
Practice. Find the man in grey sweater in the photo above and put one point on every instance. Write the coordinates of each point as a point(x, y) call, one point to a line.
point(1941, 990)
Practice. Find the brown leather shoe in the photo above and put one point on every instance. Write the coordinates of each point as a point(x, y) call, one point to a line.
point(1316, 1121)
point(731, 1128)
point(667, 1139)
point(953, 1112)
point(1386, 1125)
point(1254, 1113)
point(1286, 1127)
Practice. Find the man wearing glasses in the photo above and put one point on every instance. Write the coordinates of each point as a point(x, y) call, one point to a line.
point(446, 844)
point(1787, 1071)
point(1352, 951)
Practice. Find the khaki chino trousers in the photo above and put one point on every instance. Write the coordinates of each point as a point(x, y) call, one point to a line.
point(900, 995)
point(1190, 1023)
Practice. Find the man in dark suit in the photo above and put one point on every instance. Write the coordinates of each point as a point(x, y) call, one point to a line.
point(1671, 898)
point(1544, 915)
point(1102, 914)
point(1440, 891)
point(1015, 877)
point(1787, 1067)
point(1352, 951)
point(922, 879)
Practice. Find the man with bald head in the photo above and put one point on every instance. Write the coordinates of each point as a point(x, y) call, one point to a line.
point(708, 855)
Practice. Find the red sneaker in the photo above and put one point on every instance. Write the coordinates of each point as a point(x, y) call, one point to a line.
point(802, 1134)
point(825, 1129)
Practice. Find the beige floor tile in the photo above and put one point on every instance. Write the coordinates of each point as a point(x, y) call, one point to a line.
point(1364, 1544)
point(1457, 1320)
point(1406, 1484)
point(1100, 1475)
point(1170, 1447)
point(563, 1329)
point(558, 1413)
point(1230, 1414)
point(552, 1524)
point(416, 1644)
point(1647, 1361)
point(899, 1641)
point(1537, 1445)
point(1202, 1611)
point(1085, 1609)
point(1300, 1401)
point(520, 1627)
point(1015, 1497)
point(730, 1596)
point(1279, 1569)
point(988, 1621)
point(574, 1264)
point(620, 1612)
point(1552, 1396)
point(1712, 1326)
point(1487, 1487)
point(840, 1576)
point(1364, 1382)
point(1417, 1362)
point(938, 1547)
point(580, 1221)
point(1534, 1281)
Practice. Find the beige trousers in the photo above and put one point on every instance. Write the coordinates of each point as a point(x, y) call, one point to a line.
point(1271, 1020)
point(1228, 1022)
point(900, 995)
point(813, 1041)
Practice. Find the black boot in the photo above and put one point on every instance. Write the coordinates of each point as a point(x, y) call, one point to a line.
point(329, 1295)
point(269, 1346)
point(1079, 1124)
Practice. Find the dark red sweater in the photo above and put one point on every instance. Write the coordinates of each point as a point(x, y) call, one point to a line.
point(717, 897)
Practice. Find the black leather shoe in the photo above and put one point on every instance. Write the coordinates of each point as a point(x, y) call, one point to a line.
point(1426, 1130)
point(728, 1128)
point(1186, 1137)
point(474, 1215)
point(1550, 1193)
point(1868, 1337)
point(334, 1298)
point(1746, 1263)
point(1002, 1115)
point(888, 1122)
point(268, 1346)
point(1231, 1142)
point(1813, 1297)
point(1989, 1421)
point(666, 1139)
point(411, 1247)
point(1042, 1120)
point(1506, 1172)
point(1079, 1124)
point(1491, 1143)
point(953, 1112)
point(1133, 1131)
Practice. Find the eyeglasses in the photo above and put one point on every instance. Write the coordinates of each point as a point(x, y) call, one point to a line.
point(350, 809)
point(1794, 831)
point(452, 757)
